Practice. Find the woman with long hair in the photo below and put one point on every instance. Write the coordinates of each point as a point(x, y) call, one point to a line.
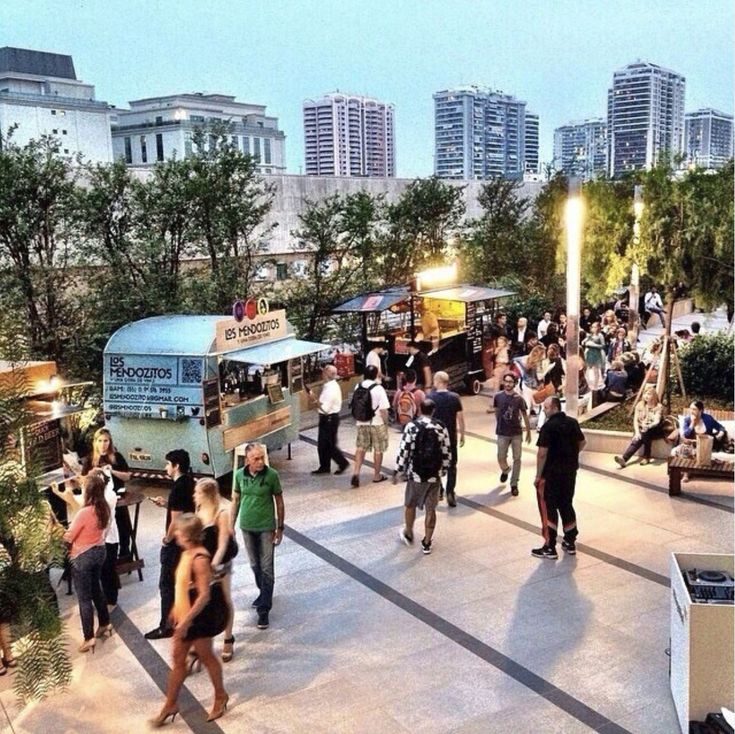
point(217, 533)
point(594, 357)
point(698, 423)
point(105, 456)
point(531, 374)
point(87, 554)
point(646, 427)
point(196, 621)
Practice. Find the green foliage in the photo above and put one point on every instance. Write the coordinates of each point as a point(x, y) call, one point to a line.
point(418, 229)
point(28, 546)
point(707, 366)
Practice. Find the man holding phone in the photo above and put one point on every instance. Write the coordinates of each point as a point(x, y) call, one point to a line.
point(330, 404)
point(181, 499)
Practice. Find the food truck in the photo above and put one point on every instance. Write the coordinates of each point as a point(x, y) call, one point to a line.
point(207, 384)
point(449, 320)
point(50, 403)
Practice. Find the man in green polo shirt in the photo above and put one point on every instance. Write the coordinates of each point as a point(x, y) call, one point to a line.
point(258, 508)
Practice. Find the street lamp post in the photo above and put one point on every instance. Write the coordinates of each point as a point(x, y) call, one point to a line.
point(634, 291)
point(573, 214)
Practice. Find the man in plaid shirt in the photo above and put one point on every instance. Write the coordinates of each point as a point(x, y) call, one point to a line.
point(424, 482)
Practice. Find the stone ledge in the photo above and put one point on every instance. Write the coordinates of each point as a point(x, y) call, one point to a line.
point(615, 442)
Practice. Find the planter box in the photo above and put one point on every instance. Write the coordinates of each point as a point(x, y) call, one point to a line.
point(701, 643)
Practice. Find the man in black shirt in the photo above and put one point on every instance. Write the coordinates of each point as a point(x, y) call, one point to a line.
point(181, 499)
point(419, 362)
point(557, 461)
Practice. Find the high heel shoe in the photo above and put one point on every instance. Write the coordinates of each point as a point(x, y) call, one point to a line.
point(88, 645)
point(10, 663)
point(104, 632)
point(162, 718)
point(227, 650)
point(220, 706)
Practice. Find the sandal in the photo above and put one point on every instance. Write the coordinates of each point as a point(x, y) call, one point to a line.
point(227, 650)
point(11, 663)
point(382, 478)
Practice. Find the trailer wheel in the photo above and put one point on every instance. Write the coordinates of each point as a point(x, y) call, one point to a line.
point(474, 386)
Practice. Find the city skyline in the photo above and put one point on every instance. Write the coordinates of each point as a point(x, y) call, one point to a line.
point(553, 56)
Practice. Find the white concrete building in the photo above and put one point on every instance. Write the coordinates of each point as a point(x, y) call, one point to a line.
point(580, 148)
point(708, 138)
point(41, 95)
point(159, 128)
point(645, 116)
point(532, 163)
point(349, 135)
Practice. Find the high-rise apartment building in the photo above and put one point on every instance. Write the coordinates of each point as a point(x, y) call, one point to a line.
point(349, 135)
point(708, 138)
point(531, 143)
point(159, 128)
point(479, 134)
point(580, 148)
point(41, 95)
point(645, 116)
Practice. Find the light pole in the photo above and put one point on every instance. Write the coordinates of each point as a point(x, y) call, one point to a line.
point(573, 216)
point(634, 292)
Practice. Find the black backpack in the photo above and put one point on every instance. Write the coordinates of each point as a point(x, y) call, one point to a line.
point(362, 403)
point(427, 451)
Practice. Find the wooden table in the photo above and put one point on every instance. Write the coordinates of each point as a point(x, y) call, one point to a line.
point(678, 466)
point(136, 563)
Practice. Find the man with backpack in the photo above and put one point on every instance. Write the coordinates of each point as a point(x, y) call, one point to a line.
point(423, 457)
point(408, 398)
point(370, 410)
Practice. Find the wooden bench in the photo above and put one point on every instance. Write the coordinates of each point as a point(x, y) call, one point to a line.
point(714, 470)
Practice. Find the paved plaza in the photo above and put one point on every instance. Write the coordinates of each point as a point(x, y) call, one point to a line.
point(368, 635)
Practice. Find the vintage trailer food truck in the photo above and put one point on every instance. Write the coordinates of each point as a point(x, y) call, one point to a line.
point(206, 384)
point(448, 319)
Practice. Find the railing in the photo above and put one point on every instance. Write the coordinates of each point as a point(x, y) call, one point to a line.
point(54, 98)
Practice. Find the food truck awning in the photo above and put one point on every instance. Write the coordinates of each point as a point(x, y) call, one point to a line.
point(275, 351)
point(467, 293)
point(372, 302)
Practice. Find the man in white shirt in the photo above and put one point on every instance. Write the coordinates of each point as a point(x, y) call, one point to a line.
point(543, 325)
point(373, 359)
point(330, 404)
point(652, 304)
point(371, 416)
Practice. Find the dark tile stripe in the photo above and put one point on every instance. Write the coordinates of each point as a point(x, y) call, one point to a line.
point(615, 474)
point(572, 706)
point(532, 528)
point(193, 713)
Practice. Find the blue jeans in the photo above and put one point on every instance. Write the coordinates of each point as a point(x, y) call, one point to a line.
point(259, 546)
point(86, 571)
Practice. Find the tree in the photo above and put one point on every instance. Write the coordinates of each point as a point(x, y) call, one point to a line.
point(37, 236)
point(418, 227)
point(339, 234)
point(227, 203)
point(496, 244)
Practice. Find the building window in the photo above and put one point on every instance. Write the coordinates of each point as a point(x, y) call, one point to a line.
point(55, 131)
point(66, 151)
point(159, 147)
point(187, 145)
point(246, 145)
point(128, 151)
point(159, 120)
point(267, 150)
point(63, 132)
point(281, 271)
point(235, 142)
point(53, 112)
point(143, 150)
point(256, 149)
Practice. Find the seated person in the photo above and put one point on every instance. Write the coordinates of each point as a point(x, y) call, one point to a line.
point(616, 382)
point(634, 369)
point(699, 423)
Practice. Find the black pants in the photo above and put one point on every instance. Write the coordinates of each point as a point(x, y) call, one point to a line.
point(327, 443)
point(452, 468)
point(124, 529)
point(110, 579)
point(645, 440)
point(170, 555)
point(557, 498)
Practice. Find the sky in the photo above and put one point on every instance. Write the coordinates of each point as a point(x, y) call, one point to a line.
point(557, 55)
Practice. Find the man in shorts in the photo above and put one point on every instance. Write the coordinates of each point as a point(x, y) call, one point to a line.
point(372, 434)
point(423, 460)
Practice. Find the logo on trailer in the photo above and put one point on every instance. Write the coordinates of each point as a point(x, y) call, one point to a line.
point(251, 308)
point(238, 311)
point(262, 306)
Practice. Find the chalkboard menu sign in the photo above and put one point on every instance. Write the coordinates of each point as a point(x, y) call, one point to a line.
point(211, 403)
point(297, 375)
point(42, 446)
point(474, 327)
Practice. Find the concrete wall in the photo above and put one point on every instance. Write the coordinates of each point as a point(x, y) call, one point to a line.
point(292, 193)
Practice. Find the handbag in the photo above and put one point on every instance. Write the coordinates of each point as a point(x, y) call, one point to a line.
point(542, 393)
point(232, 549)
